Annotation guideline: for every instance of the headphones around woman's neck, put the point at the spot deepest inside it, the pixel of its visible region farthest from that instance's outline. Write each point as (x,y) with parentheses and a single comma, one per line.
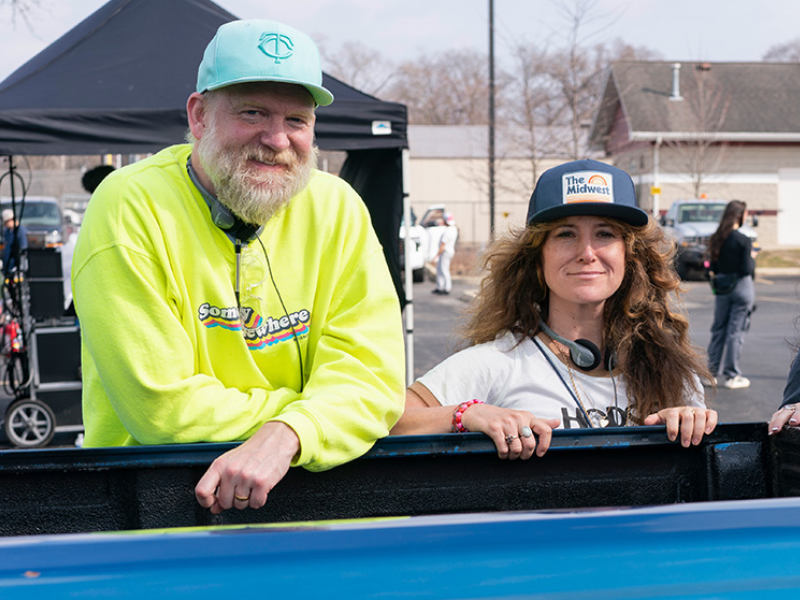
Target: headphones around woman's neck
(583,353)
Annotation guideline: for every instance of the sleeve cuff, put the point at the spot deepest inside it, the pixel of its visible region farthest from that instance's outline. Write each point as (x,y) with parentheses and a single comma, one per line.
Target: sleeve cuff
(308,433)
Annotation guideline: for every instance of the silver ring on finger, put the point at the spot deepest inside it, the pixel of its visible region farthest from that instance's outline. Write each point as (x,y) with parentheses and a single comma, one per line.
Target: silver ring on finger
(510,438)
(526,432)
(790,407)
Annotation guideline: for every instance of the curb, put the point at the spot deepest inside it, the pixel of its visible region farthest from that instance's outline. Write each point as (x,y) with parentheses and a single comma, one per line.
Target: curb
(778,271)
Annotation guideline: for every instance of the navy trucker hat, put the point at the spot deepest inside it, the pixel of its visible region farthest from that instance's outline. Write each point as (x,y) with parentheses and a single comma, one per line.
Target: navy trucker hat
(585,188)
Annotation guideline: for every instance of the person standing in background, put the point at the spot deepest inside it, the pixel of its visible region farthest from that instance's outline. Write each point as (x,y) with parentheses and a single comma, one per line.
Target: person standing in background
(447,249)
(94,176)
(15,241)
(731,254)
(788,415)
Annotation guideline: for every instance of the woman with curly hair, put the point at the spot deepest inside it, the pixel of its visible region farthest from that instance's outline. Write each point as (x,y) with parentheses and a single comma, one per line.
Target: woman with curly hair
(589,267)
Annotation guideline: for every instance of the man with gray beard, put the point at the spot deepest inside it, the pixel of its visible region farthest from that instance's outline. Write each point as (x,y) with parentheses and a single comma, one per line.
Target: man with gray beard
(227,290)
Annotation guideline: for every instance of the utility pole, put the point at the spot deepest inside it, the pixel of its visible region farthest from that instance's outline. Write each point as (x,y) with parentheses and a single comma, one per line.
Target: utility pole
(491,120)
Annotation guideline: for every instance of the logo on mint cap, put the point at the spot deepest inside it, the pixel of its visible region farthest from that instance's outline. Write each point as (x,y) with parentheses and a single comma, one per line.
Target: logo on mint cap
(276,45)
(587,186)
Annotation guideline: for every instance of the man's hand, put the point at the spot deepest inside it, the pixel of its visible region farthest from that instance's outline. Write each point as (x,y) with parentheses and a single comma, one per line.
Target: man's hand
(244,476)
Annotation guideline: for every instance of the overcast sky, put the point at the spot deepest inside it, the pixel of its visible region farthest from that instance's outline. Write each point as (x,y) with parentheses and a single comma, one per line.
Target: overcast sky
(714,30)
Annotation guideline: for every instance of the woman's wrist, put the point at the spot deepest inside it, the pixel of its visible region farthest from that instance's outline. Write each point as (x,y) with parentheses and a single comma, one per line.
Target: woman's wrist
(458,426)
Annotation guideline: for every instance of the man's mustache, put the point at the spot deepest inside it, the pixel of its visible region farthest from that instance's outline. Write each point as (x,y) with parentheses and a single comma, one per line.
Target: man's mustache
(285,158)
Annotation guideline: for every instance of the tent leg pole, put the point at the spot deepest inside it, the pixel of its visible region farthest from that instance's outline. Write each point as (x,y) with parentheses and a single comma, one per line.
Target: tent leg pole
(408,311)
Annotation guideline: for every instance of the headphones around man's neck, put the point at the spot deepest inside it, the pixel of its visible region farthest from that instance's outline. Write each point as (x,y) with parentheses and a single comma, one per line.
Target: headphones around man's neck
(221,215)
(583,353)
(241,233)
(223,218)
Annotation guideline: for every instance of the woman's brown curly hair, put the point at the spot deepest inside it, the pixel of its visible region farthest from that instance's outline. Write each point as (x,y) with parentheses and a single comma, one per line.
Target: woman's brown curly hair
(651,341)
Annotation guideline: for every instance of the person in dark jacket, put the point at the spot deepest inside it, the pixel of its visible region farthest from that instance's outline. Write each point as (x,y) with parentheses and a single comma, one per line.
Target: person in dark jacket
(731,253)
(788,414)
(15,241)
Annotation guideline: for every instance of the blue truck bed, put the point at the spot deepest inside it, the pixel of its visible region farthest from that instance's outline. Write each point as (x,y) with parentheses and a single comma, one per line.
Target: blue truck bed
(616,514)
(732,549)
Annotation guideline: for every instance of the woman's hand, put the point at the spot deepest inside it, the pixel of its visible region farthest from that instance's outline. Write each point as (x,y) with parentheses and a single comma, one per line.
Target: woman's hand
(785,416)
(692,422)
(512,431)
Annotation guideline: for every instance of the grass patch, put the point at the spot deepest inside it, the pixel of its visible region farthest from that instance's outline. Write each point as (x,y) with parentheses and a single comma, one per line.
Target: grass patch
(779,258)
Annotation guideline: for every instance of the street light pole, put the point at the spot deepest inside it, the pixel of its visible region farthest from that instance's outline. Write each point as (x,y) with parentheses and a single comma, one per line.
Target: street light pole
(491,120)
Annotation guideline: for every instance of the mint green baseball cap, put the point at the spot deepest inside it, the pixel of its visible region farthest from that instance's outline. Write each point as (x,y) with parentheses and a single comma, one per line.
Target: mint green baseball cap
(261,50)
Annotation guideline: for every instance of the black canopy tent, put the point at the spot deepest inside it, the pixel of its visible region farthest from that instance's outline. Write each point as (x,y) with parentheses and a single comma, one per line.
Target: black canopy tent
(117,83)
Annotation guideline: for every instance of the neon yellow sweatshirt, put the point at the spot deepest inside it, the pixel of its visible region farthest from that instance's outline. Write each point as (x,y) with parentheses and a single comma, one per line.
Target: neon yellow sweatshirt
(165,355)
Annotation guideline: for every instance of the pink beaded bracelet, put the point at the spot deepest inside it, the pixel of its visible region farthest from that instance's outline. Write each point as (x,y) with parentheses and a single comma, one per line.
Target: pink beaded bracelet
(458,426)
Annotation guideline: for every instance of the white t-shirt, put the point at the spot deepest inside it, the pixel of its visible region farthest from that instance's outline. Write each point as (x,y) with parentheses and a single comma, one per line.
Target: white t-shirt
(449,237)
(529,376)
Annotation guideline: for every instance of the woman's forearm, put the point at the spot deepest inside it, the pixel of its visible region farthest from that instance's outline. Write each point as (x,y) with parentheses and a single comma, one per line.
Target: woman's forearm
(424,419)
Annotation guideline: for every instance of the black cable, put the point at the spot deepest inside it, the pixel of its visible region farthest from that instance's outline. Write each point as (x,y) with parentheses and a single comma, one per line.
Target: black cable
(285,312)
(561,377)
(15,288)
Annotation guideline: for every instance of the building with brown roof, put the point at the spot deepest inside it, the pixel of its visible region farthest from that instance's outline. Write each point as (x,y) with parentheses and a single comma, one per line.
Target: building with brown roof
(717,130)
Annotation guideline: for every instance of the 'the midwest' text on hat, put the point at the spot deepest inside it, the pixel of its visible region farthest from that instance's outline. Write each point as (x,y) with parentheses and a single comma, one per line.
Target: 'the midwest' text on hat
(585,187)
(261,50)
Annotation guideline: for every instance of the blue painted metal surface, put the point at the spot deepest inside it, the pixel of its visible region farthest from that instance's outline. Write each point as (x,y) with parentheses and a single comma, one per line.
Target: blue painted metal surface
(736,550)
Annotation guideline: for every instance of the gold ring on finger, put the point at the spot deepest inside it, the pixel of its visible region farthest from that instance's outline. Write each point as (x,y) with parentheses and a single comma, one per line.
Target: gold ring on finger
(242,498)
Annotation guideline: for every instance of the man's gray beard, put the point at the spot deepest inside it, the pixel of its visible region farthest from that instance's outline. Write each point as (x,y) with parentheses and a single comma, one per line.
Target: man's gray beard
(253,201)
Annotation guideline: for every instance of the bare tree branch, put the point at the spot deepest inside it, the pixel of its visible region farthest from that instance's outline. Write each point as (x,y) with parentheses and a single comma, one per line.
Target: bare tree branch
(708,105)
(21,9)
(786,52)
(358,65)
(449,88)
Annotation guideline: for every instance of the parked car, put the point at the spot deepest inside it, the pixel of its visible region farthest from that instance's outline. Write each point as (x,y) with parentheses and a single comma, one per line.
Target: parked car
(690,223)
(417,251)
(426,234)
(43,219)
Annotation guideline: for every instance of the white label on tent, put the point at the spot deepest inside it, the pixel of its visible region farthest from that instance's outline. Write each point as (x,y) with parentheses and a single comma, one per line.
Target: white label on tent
(381,128)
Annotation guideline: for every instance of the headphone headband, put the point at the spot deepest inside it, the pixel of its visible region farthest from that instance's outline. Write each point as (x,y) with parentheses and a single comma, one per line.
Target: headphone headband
(583,353)
(221,215)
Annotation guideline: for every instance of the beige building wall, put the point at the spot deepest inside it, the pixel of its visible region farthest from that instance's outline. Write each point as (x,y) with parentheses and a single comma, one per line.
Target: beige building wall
(462,186)
(748,172)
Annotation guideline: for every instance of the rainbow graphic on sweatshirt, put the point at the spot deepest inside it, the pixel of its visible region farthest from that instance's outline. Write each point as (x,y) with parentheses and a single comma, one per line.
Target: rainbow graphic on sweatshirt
(259,332)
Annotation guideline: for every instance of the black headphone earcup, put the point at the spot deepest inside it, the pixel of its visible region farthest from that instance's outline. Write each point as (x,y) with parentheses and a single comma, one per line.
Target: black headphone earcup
(588,360)
(221,216)
(243,231)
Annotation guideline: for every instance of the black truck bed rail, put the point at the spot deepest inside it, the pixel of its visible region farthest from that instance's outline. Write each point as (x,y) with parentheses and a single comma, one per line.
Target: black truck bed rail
(108,489)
